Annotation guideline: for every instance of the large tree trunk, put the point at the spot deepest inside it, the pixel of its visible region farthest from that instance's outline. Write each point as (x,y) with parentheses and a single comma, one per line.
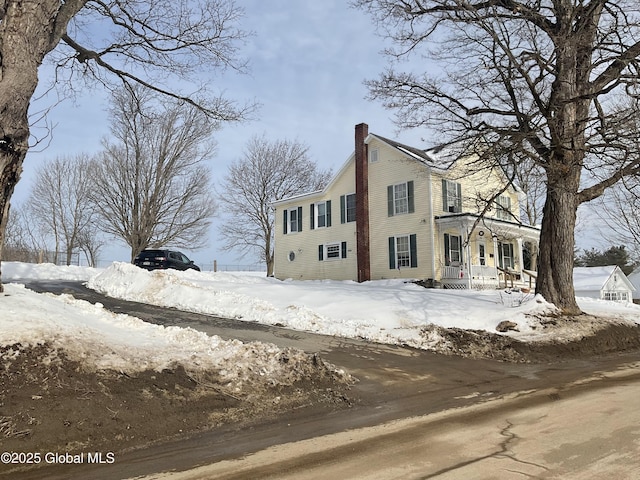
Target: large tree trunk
(555,267)
(28,31)
(567,117)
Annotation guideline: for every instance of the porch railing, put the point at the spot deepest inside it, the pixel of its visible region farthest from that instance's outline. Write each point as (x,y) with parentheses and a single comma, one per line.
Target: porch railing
(485,277)
(483,271)
(454,272)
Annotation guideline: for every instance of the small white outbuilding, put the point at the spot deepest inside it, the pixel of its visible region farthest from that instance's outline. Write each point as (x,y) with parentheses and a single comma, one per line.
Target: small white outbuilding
(634,278)
(605,283)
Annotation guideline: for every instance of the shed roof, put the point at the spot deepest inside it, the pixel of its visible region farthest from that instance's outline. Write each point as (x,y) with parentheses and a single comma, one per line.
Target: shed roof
(594,278)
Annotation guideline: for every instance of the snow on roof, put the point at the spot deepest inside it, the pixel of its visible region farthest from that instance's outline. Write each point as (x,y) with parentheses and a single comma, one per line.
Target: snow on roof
(592,278)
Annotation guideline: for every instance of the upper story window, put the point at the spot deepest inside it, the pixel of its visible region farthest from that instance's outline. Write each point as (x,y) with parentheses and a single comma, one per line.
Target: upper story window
(373,155)
(503,208)
(400,198)
(292,220)
(320,214)
(451,196)
(348,208)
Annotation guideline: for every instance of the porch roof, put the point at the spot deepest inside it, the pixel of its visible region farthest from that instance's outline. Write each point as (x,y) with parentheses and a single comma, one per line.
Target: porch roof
(491,224)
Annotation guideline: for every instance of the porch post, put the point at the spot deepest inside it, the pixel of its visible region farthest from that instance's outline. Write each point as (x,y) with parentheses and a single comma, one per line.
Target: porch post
(469,271)
(520,257)
(464,233)
(496,258)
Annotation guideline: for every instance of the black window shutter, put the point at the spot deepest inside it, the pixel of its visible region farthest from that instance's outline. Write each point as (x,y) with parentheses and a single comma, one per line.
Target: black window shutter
(392,253)
(299,219)
(343,209)
(445,207)
(343,249)
(390,201)
(312,215)
(447,255)
(413,251)
(285,221)
(410,196)
(328,209)
(320,252)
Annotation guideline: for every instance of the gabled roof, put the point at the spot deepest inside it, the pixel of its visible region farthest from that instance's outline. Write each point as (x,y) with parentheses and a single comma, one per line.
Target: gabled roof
(594,278)
(416,153)
(430,158)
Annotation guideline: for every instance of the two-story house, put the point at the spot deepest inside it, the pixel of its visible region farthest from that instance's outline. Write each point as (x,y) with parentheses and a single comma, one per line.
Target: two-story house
(389,212)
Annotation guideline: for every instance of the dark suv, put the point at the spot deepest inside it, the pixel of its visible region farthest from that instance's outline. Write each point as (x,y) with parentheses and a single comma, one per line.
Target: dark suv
(163,259)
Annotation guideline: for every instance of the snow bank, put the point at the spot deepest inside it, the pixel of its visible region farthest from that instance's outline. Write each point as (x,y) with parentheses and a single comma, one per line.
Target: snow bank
(387,311)
(106,340)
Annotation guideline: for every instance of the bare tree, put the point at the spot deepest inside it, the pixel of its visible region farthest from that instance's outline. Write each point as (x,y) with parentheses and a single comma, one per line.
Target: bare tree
(268,171)
(90,242)
(152,186)
(620,212)
(60,202)
(24,241)
(542,79)
(531,179)
(149,43)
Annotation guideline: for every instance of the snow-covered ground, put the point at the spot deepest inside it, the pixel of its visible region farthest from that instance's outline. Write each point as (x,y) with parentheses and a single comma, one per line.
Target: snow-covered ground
(388,311)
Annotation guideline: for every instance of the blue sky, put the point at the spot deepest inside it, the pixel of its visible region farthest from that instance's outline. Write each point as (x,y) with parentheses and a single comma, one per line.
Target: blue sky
(308,61)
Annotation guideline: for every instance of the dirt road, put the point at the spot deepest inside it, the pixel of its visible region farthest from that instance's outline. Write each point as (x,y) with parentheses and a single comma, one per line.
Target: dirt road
(413,412)
(585,430)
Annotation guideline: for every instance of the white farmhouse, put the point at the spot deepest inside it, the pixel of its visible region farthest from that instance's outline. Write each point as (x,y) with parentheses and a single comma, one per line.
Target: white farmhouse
(393,211)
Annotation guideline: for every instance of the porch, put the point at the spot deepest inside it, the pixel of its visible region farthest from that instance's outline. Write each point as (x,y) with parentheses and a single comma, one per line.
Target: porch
(483,277)
(486,254)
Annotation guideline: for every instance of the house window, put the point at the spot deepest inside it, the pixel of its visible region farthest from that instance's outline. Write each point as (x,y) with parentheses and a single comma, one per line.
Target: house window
(452,250)
(503,208)
(403,252)
(403,255)
(348,208)
(292,220)
(332,251)
(616,296)
(451,196)
(320,214)
(400,198)
(505,255)
(482,254)
(373,155)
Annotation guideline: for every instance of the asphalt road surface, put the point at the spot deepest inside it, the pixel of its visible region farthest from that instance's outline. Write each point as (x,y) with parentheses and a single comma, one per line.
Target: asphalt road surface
(420,415)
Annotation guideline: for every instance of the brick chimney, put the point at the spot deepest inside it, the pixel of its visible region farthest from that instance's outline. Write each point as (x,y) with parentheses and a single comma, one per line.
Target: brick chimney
(362,203)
